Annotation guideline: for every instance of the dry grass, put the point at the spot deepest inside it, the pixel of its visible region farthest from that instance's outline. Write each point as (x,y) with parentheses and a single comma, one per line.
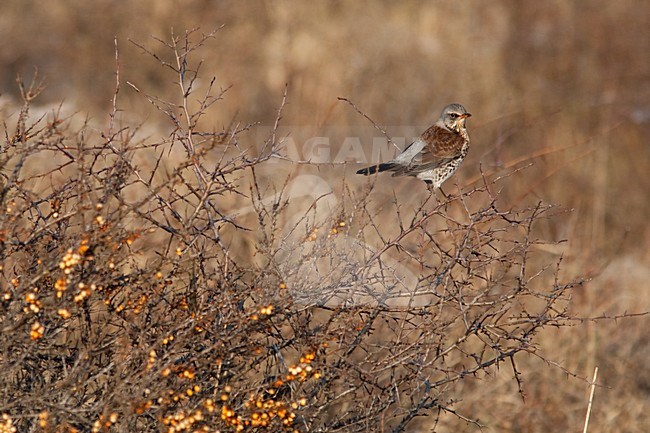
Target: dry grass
(263,270)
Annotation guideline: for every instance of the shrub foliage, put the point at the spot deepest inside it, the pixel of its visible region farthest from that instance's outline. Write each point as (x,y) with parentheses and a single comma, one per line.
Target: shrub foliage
(137,296)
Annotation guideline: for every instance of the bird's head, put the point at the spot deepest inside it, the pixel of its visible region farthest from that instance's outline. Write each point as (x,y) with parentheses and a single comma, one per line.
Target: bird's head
(453,116)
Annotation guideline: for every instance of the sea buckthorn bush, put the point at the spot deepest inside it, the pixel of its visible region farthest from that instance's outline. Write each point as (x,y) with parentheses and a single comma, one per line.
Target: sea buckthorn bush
(173,284)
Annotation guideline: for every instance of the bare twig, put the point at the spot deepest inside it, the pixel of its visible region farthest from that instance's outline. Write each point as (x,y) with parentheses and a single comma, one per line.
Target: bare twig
(591,399)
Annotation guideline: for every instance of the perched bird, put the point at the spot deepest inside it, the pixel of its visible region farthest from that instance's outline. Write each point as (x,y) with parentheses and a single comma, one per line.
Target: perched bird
(436,154)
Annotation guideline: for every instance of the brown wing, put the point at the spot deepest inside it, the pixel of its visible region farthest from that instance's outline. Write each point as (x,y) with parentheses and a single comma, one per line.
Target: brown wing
(442,145)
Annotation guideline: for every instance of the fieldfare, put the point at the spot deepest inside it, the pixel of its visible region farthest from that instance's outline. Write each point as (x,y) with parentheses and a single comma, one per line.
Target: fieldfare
(436,154)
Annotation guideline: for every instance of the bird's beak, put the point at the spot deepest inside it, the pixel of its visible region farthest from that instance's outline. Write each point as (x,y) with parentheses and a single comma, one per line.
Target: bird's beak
(463,116)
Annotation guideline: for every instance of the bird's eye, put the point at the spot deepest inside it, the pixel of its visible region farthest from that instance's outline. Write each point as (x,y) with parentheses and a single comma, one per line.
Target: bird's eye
(453,115)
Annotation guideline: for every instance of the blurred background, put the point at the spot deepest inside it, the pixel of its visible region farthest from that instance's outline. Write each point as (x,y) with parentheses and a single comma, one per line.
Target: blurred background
(562,85)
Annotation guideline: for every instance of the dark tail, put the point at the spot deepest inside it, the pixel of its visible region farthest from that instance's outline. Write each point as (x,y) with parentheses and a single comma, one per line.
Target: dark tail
(375,168)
